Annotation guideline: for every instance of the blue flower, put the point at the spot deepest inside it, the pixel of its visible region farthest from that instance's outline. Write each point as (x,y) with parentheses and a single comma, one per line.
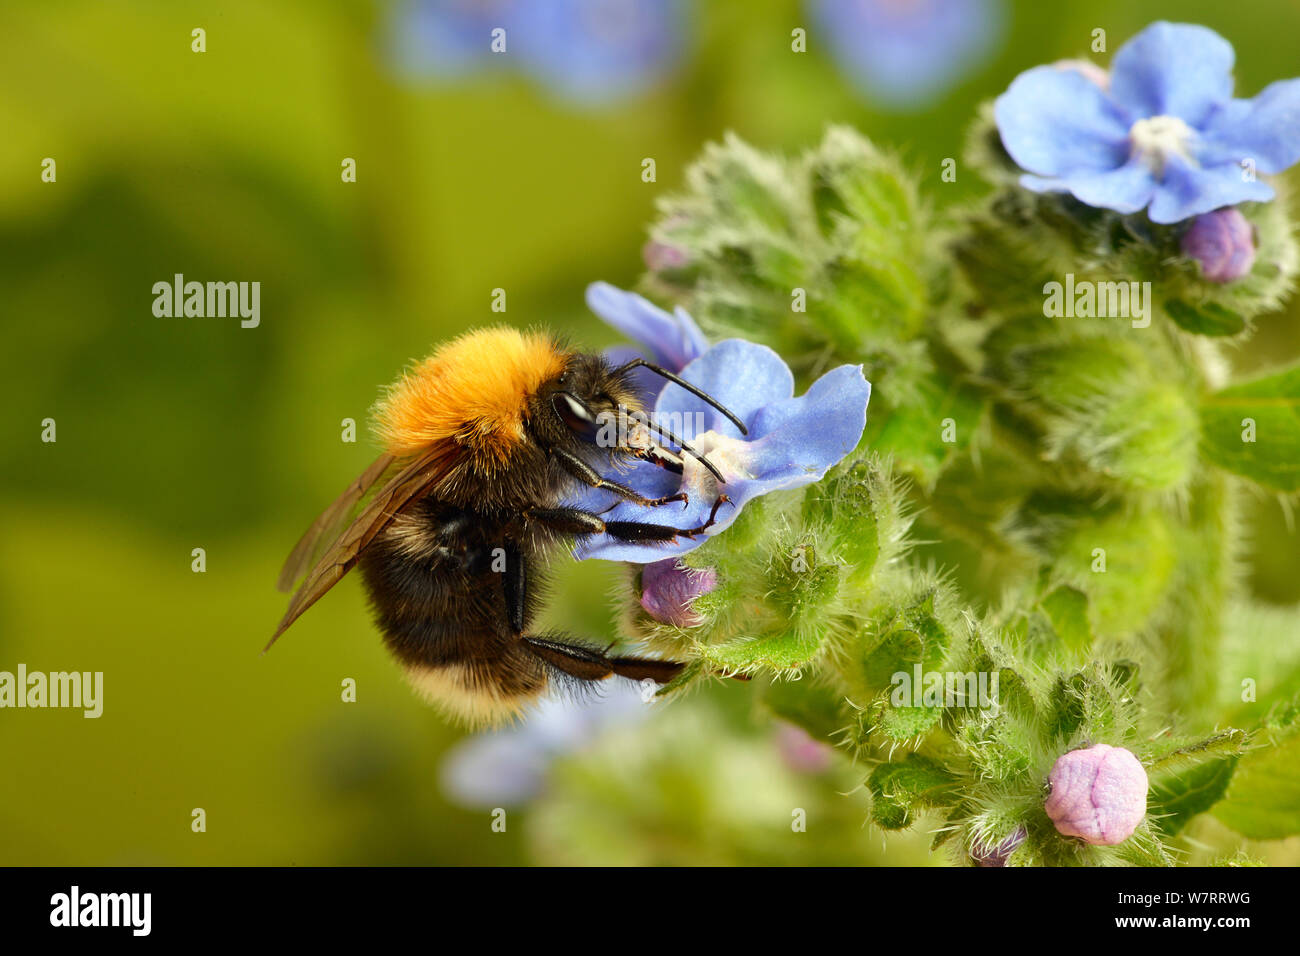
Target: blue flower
(446,38)
(589,52)
(596,51)
(670,340)
(511,766)
(1165,135)
(792,441)
(906,53)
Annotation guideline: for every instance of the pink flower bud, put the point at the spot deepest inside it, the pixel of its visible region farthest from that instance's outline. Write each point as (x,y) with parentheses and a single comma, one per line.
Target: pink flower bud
(661,257)
(668,588)
(1223,243)
(996,855)
(1099,794)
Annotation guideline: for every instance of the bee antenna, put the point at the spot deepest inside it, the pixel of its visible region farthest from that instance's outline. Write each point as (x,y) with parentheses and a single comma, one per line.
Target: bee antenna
(656,427)
(697,392)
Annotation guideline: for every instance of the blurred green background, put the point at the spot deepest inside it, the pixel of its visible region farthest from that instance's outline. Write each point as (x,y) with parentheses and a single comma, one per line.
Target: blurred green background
(175,434)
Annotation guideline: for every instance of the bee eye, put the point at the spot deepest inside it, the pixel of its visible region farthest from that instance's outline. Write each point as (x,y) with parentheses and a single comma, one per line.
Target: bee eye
(573,413)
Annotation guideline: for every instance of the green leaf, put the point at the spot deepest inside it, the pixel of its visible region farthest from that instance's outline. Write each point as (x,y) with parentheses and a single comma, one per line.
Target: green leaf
(1259,646)
(786,651)
(904,723)
(1263,800)
(1209,318)
(1015,694)
(1253,429)
(806,704)
(692,671)
(1174,800)
(1068,706)
(1106,403)
(1067,609)
(1172,755)
(914,635)
(843,506)
(924,433)
(900,788)
(749,186)
(946,833)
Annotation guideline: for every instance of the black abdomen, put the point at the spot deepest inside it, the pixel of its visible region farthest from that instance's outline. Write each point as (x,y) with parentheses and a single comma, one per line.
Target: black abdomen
(437,582)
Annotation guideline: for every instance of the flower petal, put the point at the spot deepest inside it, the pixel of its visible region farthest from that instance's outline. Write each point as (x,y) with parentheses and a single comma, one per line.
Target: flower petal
(741,375)
(645,383)
(799,439)
(1057,121)
(673,340)
(1265,129)
(501,769)
(593,52)
(1126,189)
(1173,69)
(509,767)
(654,482)
(821,426)
(907,54)
(1188,190)
(795,441)
(440,40)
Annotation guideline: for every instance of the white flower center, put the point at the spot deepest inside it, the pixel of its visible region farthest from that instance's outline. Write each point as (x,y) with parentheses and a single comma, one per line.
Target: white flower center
(1156,138)
(731,456)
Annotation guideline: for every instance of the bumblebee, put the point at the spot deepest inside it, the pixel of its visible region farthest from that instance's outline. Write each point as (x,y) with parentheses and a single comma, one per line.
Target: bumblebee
(483,443)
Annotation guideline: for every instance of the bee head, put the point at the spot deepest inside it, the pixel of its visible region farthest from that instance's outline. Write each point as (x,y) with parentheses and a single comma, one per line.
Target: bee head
(589,405)
(592,404)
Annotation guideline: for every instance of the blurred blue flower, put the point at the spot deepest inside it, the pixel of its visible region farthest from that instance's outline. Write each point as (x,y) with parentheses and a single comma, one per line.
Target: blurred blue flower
(589,52)
(509,767)
(446,38)
(906,53)
(792,442)
(1165,135)
(597,51)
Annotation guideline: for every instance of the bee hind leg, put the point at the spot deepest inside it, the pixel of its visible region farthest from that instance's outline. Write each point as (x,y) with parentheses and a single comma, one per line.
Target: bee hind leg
(588,664)
(573,660)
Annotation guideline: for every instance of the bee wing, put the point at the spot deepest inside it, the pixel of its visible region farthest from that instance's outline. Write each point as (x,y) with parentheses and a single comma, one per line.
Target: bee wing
(409,483)
(329,524)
